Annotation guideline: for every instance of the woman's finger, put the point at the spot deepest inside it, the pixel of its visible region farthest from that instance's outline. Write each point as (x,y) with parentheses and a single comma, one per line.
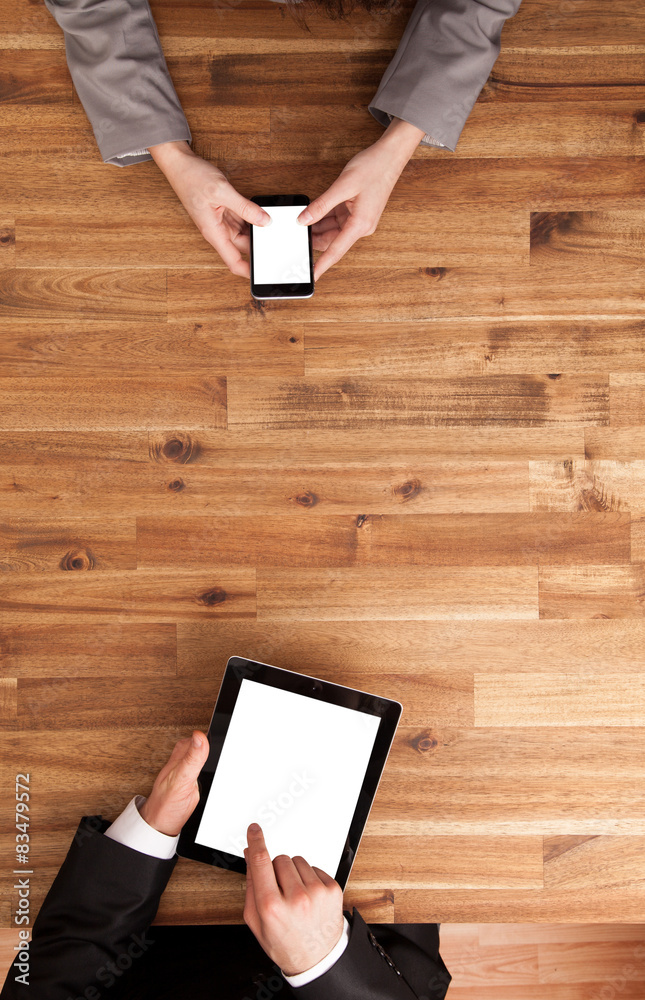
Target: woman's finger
(352,231)
(343,189)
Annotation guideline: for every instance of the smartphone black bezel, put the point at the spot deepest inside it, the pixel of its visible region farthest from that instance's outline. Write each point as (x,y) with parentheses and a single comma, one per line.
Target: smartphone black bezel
(290,290)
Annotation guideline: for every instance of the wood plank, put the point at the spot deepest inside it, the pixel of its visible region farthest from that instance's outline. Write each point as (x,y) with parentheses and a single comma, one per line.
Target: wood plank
(435,862)
(38,347)
(84,702)
(8,702)
(384,540)
(7,242)
(417,646)
(621,444)
(619,67)
(318,402)
(638,540)
(591,962)
(137,595)
(547,934)
(542,699)
(111,403)
(80,650)
(603,862)
(29,545)
(627,399)
(505,905)
(597,484)
(494,540)
(64,703)
(438,487)
(41,129)
(46,240)
(247,541)
(31,293)
(585,237)
(426,293)
(539,128)
(519,183)
(461,347)
(592,591)
(409,592)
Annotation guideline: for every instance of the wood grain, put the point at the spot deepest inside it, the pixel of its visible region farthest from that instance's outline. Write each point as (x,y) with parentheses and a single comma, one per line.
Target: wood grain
(427,481)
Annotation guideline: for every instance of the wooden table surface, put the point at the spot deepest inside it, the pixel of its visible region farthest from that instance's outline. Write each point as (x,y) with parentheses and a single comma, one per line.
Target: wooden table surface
(427,481)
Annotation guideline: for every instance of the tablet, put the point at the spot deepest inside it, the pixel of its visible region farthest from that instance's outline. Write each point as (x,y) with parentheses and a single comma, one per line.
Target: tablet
(301,756)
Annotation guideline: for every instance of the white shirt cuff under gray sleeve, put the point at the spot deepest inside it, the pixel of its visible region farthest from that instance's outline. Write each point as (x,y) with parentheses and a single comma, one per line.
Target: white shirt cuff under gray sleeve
(131,829)
(325,963)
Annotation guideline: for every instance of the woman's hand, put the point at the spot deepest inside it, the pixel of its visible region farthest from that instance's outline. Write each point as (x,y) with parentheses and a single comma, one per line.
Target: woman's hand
(221,213)
(353,205)
(295,911)
(175,792)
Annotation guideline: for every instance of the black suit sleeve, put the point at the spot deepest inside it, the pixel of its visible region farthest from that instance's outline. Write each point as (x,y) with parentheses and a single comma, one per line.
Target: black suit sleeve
(366,971)
(97,911)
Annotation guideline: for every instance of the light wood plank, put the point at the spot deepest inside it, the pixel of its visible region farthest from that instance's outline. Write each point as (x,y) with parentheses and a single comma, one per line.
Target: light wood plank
(592,591)
(462,347)
(627,399)
(31,293)
(410,592)
(111,403)
(542,699)
(599,484)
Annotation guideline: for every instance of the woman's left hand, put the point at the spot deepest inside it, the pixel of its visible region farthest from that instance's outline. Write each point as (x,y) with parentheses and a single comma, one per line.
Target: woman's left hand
(353,205)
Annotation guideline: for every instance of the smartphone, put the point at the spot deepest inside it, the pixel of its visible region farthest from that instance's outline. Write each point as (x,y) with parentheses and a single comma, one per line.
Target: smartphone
(282,262)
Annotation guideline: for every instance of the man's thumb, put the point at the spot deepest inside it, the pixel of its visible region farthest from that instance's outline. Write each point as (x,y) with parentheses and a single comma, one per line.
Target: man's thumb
(197,742)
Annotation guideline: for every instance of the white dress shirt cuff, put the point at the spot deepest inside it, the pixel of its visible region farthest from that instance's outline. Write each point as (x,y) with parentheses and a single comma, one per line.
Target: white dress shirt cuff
(131,829)
(325,963)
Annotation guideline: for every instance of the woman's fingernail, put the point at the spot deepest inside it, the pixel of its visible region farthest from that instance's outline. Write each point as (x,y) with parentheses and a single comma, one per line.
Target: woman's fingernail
(304,219)
(197,742)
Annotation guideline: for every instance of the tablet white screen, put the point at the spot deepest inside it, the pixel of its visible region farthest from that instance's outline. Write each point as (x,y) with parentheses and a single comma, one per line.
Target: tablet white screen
(293,764)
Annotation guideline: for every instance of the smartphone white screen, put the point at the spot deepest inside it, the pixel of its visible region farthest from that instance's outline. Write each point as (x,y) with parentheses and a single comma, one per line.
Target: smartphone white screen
(294,765)
(281,250)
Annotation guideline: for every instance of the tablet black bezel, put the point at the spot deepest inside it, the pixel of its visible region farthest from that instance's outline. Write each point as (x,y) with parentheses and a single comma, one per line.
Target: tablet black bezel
(238,668)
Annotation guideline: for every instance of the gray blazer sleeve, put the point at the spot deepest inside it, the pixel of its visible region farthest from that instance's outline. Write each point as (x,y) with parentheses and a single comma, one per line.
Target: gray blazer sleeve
(442,62)
(120,75)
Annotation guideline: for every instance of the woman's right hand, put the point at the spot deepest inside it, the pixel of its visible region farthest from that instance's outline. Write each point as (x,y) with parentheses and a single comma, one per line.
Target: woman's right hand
(221,213)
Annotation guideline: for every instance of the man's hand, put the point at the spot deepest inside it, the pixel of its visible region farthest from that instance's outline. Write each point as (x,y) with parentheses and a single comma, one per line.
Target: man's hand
(353,205)
(221,213)
(295,911)
(175,792)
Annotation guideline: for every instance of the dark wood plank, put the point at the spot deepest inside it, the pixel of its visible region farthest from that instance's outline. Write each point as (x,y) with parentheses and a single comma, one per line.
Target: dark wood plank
(7,242)
(28,545)
(80,650)
(587,237)
(524,401)
(110,403)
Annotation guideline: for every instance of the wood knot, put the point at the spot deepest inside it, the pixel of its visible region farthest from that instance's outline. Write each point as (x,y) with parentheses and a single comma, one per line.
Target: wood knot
(360,520)
(176,486)
(306,499)
(211,597)
(639,117)
(435,272)
(554,376)
(293,340)
(408,490)
(178,448)
(7,237)
(77,559)
(425,742)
